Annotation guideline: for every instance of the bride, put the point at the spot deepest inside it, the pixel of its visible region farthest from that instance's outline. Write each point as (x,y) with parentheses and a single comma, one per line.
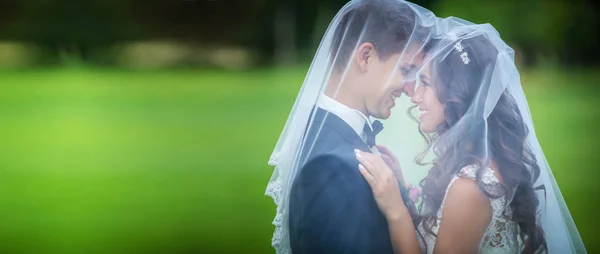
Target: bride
(489,178)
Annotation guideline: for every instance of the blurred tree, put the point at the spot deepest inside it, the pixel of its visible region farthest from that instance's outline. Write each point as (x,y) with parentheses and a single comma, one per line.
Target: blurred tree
(71,26)
(540,30)
(281,31)
(9,10)
(206,21)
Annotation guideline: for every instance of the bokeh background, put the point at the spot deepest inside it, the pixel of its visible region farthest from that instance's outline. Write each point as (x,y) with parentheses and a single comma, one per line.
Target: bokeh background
(145,126)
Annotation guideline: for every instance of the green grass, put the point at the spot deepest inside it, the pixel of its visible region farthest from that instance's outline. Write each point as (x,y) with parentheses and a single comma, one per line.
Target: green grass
(114,161)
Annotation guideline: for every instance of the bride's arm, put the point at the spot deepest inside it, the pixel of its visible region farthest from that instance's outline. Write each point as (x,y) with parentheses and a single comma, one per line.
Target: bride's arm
(392,161)
(402,232)
(408,200)
(387,194)
(466,215)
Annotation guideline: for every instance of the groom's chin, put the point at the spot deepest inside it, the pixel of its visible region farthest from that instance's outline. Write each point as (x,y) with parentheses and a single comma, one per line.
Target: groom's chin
(385,114)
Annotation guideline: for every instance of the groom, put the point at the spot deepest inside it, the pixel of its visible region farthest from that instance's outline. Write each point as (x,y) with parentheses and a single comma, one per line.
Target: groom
(332,208)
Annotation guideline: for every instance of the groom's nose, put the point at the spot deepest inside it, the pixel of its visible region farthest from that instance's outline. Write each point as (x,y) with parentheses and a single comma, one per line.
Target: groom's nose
(409,88)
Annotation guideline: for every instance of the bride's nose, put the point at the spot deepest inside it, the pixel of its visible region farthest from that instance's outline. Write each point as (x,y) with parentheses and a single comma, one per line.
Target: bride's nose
(417,96)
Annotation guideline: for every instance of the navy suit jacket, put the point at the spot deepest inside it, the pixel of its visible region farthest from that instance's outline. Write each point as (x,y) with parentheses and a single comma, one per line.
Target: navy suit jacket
(332,208)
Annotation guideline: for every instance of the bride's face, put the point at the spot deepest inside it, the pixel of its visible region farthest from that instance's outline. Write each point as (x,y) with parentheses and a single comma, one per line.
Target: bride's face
(431,110)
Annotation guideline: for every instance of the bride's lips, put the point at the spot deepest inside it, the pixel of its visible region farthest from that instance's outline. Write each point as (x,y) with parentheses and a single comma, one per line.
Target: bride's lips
(422,112)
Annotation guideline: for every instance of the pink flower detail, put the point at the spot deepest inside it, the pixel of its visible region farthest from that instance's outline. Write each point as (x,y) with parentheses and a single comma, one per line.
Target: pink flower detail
(413,193)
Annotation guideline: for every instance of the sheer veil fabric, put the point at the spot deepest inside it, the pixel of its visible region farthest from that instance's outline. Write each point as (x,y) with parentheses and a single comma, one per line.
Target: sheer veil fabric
(412,40)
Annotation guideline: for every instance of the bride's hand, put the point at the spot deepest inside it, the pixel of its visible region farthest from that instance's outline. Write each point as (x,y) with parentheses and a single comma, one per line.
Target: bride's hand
(392,161)
(383,184)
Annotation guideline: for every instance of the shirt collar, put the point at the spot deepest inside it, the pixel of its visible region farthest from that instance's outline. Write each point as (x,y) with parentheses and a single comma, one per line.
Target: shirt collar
(354,118)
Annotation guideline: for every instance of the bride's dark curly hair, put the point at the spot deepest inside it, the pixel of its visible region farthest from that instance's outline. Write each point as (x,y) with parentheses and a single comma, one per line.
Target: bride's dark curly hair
(465,138)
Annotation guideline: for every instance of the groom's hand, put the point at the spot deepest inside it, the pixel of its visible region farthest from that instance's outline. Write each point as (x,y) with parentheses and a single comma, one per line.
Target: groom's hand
(392,161)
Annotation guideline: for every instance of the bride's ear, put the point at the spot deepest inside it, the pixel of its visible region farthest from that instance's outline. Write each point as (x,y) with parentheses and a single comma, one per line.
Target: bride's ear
(365,55)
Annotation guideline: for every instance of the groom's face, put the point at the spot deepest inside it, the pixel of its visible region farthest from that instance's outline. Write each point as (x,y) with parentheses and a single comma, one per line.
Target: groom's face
(388,79)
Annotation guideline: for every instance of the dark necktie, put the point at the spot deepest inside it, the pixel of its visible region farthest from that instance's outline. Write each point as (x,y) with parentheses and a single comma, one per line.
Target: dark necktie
(371,134)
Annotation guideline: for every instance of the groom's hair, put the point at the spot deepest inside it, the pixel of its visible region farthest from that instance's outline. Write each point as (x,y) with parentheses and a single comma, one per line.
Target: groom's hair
(387,24)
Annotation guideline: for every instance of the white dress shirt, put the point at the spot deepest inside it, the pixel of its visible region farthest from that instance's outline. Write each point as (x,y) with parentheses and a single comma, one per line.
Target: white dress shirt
(354,118)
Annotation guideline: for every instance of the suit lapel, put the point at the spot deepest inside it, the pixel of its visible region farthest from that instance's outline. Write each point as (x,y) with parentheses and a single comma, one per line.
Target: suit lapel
(337,124)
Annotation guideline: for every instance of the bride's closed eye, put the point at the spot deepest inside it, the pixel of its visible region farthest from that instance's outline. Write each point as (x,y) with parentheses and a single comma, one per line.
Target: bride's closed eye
(423,80)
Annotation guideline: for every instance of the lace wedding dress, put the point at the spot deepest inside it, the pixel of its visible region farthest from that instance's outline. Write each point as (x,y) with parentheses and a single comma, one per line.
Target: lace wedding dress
(502,235)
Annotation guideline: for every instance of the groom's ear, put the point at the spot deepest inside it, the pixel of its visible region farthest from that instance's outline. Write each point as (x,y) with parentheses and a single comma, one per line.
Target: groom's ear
(365,55)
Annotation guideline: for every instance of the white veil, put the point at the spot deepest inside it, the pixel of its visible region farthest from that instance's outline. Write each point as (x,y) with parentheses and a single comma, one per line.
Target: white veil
(500,78)
(488,116)
(286,155)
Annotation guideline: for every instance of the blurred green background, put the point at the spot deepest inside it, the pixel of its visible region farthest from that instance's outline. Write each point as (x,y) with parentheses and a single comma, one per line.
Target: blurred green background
(146,126)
